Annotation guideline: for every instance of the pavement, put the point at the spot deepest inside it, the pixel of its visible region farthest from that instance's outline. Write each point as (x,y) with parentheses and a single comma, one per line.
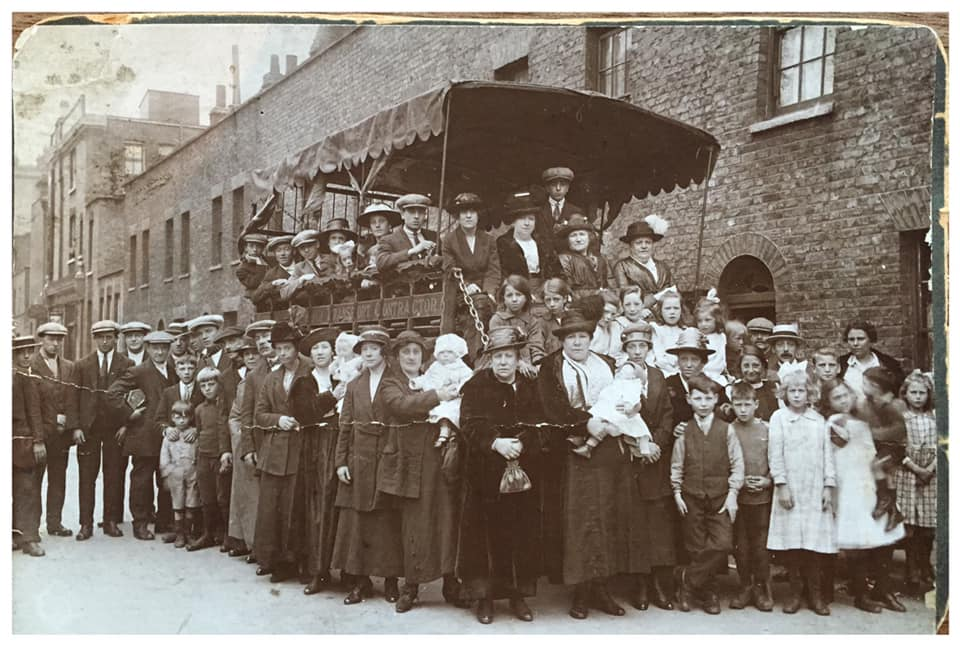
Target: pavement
(123,586)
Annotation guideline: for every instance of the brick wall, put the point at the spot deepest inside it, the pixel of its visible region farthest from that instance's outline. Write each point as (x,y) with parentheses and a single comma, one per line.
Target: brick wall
(805,197)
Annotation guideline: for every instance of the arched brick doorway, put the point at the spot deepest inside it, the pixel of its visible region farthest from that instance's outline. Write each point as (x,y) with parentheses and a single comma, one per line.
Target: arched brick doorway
(746,287)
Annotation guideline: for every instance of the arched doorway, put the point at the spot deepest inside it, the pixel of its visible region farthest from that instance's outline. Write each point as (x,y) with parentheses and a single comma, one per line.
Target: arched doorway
(746,287)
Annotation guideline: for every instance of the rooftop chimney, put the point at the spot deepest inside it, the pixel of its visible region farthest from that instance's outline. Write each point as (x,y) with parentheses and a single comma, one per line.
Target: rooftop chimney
(274,74)
(235,76)
(291,64)
(220,110)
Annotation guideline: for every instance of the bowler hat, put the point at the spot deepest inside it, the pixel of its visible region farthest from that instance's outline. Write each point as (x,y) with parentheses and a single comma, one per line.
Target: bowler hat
(639,331)
(106,325)
(503,338)
(284,332)
(413,201)
(558,172)
(574,321)
(51,328)
(375,334)
(159,337)
(691,340)
(409,336)
(276,241)
(785,331)
(379,208)
(327,334)
(24,343)
(336,225)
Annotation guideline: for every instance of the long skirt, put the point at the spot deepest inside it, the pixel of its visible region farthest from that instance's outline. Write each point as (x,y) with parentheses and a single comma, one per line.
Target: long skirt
(428,524)
(652,536)
(598,500)
(319,471)
(244,495)
(368,543)
(280,521)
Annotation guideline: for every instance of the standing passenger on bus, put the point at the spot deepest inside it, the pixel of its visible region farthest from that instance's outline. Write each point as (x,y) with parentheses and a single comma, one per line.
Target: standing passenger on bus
(525,250)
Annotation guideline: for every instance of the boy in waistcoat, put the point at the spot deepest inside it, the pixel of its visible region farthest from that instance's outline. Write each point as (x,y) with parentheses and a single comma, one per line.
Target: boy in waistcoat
(706,473)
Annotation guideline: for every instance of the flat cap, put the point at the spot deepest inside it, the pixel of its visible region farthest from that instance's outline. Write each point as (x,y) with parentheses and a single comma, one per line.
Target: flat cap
(263,325)
(52,328)
(135,326)
(305,237)
(558,172)
(207,319)
(258,238)
(230,332)
(276,241)
(760,324)
(105,325)
(413,201)
(159,337)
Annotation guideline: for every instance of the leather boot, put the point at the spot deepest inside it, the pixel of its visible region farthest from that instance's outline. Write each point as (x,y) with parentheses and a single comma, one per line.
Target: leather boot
(485,611)
(684,593)
(362,588)
(319,582)
(792,603)
(408,597)
(889,601)
(579,607)
(85,533)
(180,539)
(762,597)
(451,591)
(604,602)
(520,609)
(815,599)
(661,598)
(32,548)
(140,532)
(203,542)
(110,529)
(639,598)
(742,598)
(391,589)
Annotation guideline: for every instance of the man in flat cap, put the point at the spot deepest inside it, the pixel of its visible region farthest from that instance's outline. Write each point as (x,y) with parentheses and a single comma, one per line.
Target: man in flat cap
(204,329)
(55,374)
(94,425)
(181,345)
(558,210)
(133,333)
(313,265)
(29,451)
(278,275)
(409,241)
(139,437)
(252,267)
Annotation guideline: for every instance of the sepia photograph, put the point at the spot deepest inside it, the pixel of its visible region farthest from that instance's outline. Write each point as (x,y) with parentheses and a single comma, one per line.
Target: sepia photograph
(478,324)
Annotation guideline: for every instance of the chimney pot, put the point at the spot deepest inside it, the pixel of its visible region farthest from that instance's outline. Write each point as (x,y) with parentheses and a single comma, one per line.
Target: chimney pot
(291,63)
(221,96)
(274,63)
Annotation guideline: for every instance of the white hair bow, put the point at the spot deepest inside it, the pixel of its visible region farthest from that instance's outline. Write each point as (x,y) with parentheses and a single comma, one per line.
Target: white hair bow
(790,368)
(712,296)
(666,291)
(344,248)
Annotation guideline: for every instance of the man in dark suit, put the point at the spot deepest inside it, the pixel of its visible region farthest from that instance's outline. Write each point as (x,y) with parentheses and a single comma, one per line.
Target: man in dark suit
(475,252)
(140,438)
(692,352)
(229,338)
(204,330)
(94,425)
(55,373)
(29,451)
(557,211)
(276,276)
(410,241)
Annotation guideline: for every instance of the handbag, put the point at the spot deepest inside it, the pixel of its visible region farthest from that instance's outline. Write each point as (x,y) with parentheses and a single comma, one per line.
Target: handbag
(451,460)
(515,479)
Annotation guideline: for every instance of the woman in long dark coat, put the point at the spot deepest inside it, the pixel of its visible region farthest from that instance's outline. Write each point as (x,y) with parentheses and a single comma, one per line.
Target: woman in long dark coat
(500,549)
(313,398)
(652,536)
(591,537)
(368,529)
(410,469)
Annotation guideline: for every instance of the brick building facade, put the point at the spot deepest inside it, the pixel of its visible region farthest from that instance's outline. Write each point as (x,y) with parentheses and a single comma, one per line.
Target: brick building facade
(816,211)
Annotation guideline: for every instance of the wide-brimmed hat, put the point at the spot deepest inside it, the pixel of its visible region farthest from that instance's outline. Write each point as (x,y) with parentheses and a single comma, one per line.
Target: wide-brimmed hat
(106,325)
(785,331)
(379,208)
(229,332)
(284,332)
(639,331)
(652,226)
(577,222)
(406,337)
(307,236)
(574,321)
(375,334)
(24,343)
(413,201)
(159,337)
(276,241)
(336,225)
(51,328)
(135,326)
(691,340)
(523,203)
(327,334)
(207,319)
(503,338)
(760,324)
(558,172)
(263,325)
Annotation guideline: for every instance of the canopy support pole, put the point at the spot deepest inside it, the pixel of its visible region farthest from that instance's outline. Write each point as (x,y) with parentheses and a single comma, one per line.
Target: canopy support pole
(703,219)
(443,169)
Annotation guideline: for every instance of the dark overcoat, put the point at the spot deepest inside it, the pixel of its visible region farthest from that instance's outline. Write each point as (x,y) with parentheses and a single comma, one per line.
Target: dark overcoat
(142,439)
(53,400)
(512,260)
(279,452)
(86,405)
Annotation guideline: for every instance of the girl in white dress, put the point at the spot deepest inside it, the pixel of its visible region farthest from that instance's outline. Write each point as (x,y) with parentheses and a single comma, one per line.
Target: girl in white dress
(667,329)
(710,319)
(802,525)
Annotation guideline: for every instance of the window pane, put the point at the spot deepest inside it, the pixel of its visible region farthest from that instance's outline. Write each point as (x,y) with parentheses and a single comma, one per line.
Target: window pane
(812,72)
(789,86)
(812,42)
(831,39)
(790,48)
(605,83)
(828,75)
(605,53)
(621,46)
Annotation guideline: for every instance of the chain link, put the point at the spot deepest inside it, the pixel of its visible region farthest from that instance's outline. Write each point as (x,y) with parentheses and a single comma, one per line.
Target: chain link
(477,323)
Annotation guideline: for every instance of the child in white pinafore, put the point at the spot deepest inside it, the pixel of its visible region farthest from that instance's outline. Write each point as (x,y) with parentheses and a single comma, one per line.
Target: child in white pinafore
(346,365)
(626,389)
(178,470)
(710,320)
(448,368)
(667,329)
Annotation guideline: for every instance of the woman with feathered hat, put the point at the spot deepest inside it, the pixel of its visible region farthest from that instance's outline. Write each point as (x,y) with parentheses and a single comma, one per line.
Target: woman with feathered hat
(639,267)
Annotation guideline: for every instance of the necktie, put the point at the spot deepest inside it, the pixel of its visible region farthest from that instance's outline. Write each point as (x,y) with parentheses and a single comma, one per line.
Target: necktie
(104,370)
(416,238)
(556,211)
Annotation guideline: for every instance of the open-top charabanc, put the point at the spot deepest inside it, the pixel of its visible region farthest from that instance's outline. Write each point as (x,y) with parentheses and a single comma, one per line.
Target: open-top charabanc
(489,138)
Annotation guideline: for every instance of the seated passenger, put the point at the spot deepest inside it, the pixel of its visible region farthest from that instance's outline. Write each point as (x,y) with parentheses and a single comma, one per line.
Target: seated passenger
(309,269)
(252,266)
(379,220)
(276,276)
(409,242)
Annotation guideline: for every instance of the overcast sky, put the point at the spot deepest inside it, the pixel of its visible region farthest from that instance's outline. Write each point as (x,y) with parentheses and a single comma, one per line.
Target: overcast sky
(114,66)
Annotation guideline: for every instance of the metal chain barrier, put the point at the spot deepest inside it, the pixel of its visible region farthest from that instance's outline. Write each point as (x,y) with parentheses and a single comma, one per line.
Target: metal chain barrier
(477,323)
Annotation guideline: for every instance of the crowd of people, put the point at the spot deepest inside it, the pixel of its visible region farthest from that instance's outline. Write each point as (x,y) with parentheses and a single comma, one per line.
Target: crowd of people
(590,427)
